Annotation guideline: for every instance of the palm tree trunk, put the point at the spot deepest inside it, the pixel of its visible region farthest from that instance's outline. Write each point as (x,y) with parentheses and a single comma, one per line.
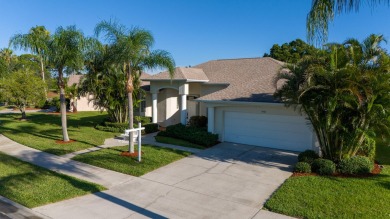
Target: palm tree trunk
(43,76)
(61,85)
(131,125)
(130,89)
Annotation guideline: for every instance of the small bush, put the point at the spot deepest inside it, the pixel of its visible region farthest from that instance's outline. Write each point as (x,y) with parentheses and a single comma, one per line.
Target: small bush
(194,135)
(356,165)
(323,166)
(142,119)
(302,167)
(308,156)
(40,104)
(150,128)
(56,103)
(368,150)
(198,121)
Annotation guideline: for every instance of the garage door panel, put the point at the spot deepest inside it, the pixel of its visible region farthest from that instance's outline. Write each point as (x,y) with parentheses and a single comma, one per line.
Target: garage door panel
(277,131)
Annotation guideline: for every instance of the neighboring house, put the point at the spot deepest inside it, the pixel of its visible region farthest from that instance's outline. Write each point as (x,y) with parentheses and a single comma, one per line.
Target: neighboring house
(82,103)
(237,97)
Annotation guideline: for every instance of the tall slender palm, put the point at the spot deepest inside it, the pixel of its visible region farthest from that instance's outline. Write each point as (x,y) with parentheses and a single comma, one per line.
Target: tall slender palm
(322,13)
(36,40)
(132,49)
(65,52)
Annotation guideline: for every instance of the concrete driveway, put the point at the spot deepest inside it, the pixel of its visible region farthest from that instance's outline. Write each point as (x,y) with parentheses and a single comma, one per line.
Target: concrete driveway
(226,181)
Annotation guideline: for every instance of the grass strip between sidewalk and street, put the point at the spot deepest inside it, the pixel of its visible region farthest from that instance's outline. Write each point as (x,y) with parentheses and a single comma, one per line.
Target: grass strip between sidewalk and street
(33,186)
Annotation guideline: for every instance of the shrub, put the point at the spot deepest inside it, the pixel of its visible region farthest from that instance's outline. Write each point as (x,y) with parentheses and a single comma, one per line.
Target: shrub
(56,103)
(368,150)
(112,127)
(308,156)
(41,104)
(356,165)
(198,121)
(302,167)
(323,166)
(142,119)
(150,128)
(195,135)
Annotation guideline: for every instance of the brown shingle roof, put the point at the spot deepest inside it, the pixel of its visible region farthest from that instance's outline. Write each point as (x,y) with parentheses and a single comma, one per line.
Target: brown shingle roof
(250,79)
(181,73)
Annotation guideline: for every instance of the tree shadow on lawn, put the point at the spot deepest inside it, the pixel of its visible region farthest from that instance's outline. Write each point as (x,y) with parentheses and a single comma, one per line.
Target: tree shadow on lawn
(52,134)
(76,120)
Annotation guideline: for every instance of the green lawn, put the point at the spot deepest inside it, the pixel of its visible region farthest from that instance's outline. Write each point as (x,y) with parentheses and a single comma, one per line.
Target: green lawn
(331,197)
(153,158)
(42,130)
(34,186)
(175,141)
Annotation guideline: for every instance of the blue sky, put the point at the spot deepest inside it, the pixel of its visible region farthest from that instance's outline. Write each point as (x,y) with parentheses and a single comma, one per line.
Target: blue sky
(194,31)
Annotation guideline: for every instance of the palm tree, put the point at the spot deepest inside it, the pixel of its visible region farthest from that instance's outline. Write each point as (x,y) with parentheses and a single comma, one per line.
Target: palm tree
(65,52)
(36,41)
(322,13)
(132,49)
(345,94)
(8,61)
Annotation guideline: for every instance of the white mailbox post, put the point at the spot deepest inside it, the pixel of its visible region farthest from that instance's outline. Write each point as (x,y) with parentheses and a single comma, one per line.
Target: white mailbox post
(138,130)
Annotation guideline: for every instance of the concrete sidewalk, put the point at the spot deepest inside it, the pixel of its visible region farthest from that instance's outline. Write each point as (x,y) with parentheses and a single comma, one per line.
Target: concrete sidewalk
(63,165)
(146,139)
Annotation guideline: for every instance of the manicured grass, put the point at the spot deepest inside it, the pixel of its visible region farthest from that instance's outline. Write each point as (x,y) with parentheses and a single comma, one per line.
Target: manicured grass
(153,158)
(34,186)
(42,130)
(332,197)
(175,141)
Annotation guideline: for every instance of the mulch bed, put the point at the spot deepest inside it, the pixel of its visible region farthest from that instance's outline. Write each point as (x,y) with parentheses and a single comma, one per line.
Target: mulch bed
(27,108)
(58,113)
(377,170)
(128,154)
(64,142)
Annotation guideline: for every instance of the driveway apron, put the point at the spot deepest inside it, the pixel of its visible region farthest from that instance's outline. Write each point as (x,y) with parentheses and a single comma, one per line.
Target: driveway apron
(226,181)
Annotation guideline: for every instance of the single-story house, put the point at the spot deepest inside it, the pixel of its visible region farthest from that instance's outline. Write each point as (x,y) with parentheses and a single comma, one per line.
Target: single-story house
(237,97)
(83,103)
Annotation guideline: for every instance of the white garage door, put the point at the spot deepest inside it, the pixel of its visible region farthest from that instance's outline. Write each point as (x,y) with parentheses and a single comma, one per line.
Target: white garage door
(275,131)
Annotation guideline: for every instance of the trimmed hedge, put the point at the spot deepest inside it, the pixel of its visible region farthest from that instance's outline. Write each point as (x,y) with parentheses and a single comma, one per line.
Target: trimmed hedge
(323,166)
(198,121)
(302,167)
(308,156)
(150,128)
(108,126)
(356,165)
(194,135)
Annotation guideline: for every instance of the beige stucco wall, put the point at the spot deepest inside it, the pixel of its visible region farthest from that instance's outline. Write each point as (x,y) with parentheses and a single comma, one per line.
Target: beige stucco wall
(83,104)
